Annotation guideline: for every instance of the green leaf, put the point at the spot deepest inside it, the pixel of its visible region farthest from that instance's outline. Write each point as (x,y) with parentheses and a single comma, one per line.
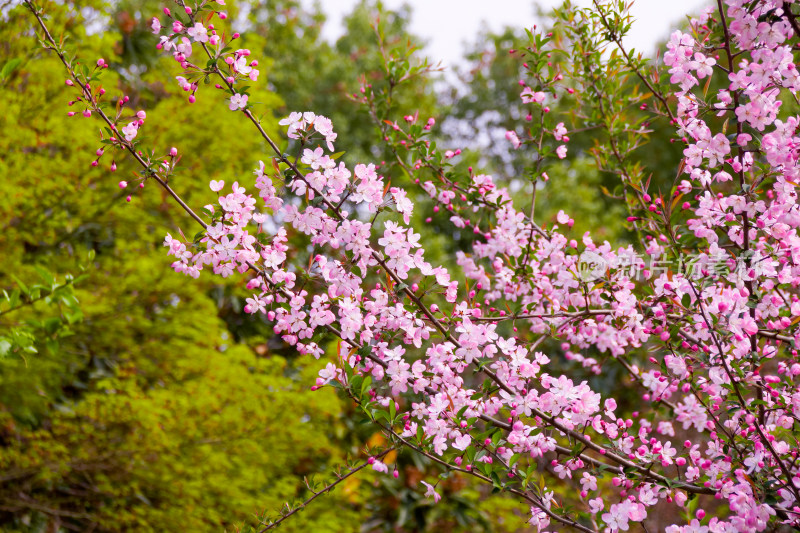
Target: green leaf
(366,384)
(22,286)
(9,67)
(46,276)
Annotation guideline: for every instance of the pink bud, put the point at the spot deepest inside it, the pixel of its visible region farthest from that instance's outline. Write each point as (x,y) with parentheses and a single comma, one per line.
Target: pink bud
(222,15)
(191,99)
(173,151)
(188,10)
(396,474)
(113,167)
(166,11)
(123,184)
(128,199)
(101,62)
(69,82)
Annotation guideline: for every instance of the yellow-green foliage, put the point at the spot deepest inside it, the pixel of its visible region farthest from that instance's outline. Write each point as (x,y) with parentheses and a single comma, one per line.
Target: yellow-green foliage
(149,418)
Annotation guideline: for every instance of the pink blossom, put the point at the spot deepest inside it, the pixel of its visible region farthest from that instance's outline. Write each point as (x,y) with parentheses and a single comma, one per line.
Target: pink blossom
(131,130)
(529,96)
(511,136)
(198,32)
(238,101)
(430,492)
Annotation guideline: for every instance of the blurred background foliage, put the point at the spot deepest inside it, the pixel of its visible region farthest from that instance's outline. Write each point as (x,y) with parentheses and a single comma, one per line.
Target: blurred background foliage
(135,399)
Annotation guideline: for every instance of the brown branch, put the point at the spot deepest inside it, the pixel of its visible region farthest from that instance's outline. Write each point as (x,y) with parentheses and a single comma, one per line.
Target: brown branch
(327,489)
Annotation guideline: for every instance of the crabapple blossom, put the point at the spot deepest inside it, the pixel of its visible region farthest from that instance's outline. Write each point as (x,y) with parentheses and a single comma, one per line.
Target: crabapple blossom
(238,101)
(198,32)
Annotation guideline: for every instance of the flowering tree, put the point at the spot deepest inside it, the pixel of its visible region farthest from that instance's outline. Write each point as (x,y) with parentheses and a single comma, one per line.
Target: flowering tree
(454,361)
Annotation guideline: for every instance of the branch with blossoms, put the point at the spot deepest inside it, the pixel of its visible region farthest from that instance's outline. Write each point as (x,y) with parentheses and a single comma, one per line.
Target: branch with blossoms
(288,511)
(447,359)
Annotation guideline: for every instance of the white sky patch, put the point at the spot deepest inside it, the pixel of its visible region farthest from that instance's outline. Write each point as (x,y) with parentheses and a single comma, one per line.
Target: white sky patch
(448,25)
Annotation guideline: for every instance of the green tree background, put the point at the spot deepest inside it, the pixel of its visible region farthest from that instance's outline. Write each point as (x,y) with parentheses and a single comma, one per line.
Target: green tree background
(156,404)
